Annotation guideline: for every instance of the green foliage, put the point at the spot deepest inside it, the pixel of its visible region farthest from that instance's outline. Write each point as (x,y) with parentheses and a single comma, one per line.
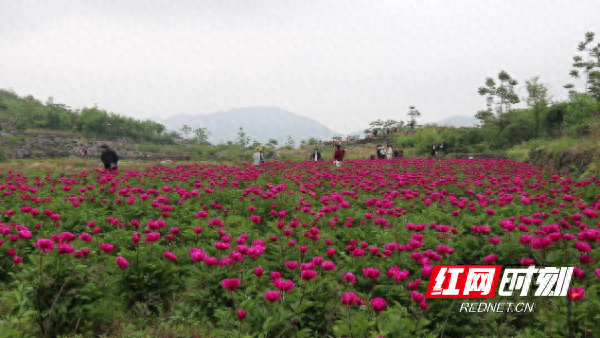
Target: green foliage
(580,110)
(30,113)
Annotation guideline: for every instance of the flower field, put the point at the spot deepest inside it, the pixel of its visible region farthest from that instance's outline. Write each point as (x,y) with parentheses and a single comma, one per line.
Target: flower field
(290,249)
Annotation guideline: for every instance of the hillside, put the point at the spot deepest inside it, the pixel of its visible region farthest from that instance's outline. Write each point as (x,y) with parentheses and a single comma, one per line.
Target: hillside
(260,123)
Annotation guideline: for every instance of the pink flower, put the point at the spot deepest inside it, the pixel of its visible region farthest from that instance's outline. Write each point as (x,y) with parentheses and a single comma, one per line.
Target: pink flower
(350,277)
(258,271)
(231,284)
(275,275)
(490,258)
(350,298)
(291,265)
(44,244)
(152,237)
(108,248)
(65,249)
(417,296)
(414,284)
(17,259)
(121,262)
(378,304)
(597,271)
(527,261)
(575,294)
(371,273)
(284,285)
(328,265)
(170,256)
(241,314)
(578,273)
(272,296)
(308,274)
(495,240)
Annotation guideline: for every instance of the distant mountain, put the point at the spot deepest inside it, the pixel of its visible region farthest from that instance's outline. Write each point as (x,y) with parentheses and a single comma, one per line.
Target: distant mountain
(458,121)
(260,123)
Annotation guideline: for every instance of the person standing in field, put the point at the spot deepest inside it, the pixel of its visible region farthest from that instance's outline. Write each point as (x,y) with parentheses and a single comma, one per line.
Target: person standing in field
(389,152)
(443,147)
(316,155)
(338,156)
(433,149)
(258,157)
(109,158)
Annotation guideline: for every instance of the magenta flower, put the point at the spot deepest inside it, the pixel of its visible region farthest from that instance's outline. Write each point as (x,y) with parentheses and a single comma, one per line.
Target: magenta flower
(490,258)
(575,294)
(350,277)
(284,285)
(272,296)
(378,304)
(258,271)
(170,256)
(417,296)
(231,284)
(106,247)
(527,261)
(371,273)
(121,262)
(308,274)
(65,249)
(350,298)
(44,244)
(495,240)
(241,314)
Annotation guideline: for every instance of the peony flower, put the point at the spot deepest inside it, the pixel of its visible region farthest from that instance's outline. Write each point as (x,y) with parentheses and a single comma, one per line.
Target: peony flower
(272,296)
(121,262)
(170,256)
(231,284)
(258,271)
(350,298)
(44,244)
(308,274)
(490,258)
(575,294)
(108,248)
(378,304)
(371,273)
(241,314)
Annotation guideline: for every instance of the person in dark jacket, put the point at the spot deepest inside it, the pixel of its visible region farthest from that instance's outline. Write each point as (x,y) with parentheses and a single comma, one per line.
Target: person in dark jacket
(109,157)
(433,149)
(316,155)
(443,147)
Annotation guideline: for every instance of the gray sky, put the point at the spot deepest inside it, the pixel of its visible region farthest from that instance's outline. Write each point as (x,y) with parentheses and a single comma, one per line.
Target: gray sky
(342,63)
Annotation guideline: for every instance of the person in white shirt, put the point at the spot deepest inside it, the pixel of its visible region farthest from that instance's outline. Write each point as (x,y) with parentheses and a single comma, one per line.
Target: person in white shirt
(389,152)
(258,157)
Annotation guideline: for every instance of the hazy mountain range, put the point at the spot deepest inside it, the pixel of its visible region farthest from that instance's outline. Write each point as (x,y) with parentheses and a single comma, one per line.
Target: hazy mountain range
(264,123)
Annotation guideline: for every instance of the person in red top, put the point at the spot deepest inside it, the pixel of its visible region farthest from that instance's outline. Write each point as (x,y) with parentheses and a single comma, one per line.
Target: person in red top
(338,156)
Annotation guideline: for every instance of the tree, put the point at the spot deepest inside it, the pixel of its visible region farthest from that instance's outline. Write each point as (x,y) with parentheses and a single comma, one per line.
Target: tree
(589,65)
(537,100)
(499,99)
(290,142)
(537,93)
(413,114)
(201,136)
(186,130)
(273,142)
(242,138)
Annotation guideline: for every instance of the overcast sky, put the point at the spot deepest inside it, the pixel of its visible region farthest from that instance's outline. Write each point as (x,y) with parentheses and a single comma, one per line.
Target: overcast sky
(342,63)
